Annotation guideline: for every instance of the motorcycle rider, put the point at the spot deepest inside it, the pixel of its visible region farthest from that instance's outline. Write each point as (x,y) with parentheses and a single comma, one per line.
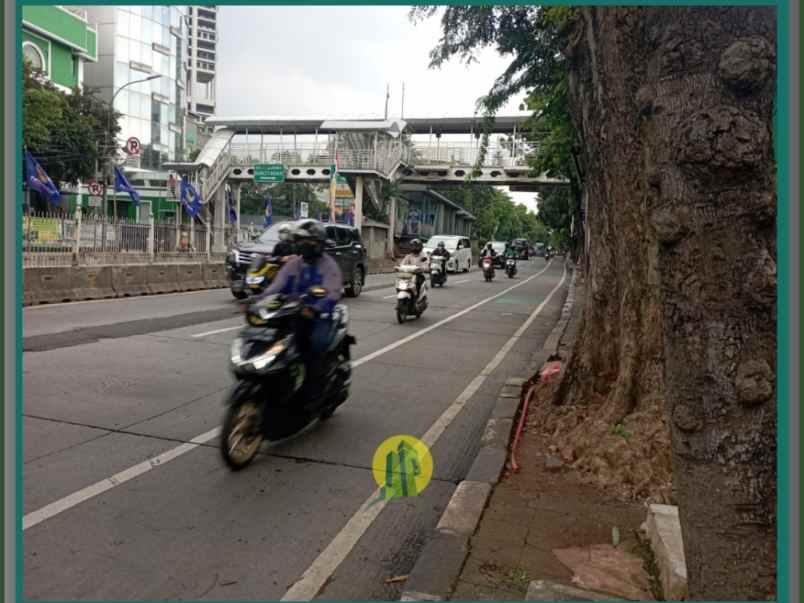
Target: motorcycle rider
(441,250)
(417,257)
(309,268)
(283,250)
(488,252)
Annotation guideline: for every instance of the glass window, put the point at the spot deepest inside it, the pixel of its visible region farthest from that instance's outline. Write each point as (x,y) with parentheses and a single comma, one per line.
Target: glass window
(148,11)
(123,25)
(121,52)
(121,102)
(136,26)
(32,54)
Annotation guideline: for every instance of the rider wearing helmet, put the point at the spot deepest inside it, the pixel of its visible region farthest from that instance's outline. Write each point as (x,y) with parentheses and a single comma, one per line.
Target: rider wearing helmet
(417,258)
(441,250)
(284,247)
(311,267)
(487,252)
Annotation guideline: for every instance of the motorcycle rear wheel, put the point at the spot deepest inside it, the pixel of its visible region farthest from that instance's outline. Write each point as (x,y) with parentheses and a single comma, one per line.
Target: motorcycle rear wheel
(239,442)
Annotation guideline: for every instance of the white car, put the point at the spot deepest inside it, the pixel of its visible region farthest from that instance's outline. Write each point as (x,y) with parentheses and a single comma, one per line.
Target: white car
(460,251)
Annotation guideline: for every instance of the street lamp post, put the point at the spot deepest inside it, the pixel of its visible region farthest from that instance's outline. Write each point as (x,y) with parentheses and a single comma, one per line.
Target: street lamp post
(109,180)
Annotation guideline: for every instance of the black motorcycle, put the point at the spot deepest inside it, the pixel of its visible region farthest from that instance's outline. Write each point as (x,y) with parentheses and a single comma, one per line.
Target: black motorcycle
(438,270)
(510,267)
(266,402)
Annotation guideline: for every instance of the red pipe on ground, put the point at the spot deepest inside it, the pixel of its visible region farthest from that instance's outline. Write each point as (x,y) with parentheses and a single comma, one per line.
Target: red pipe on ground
(522,416)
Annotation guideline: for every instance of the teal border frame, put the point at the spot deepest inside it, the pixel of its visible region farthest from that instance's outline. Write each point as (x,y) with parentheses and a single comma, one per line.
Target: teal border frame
(781,145)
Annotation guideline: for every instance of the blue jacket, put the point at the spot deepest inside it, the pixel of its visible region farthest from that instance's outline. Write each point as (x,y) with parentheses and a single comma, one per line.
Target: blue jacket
(297,276)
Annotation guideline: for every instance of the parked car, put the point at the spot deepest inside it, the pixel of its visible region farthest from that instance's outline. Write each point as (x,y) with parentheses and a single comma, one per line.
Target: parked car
(460,251)
(499,249)
(343,244)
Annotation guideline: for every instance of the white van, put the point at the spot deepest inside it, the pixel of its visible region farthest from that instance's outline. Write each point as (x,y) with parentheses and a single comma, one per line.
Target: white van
(460,251)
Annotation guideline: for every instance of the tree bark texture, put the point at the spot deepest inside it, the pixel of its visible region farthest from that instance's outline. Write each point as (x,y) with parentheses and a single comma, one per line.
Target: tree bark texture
(675,108)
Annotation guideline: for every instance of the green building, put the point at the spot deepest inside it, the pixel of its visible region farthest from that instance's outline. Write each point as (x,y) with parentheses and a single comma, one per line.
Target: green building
(58,41)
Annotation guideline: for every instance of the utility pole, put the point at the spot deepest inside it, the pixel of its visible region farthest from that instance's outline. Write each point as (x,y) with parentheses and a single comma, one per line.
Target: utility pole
(387,98)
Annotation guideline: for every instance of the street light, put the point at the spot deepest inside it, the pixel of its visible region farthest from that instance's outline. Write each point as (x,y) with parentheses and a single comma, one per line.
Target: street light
(106,141)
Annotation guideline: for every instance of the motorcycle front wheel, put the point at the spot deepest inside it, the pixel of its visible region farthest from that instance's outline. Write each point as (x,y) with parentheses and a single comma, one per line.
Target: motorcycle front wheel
(401,311)
(240,435)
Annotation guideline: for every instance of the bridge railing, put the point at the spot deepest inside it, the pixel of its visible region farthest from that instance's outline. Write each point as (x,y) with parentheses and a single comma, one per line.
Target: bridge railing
(453,154)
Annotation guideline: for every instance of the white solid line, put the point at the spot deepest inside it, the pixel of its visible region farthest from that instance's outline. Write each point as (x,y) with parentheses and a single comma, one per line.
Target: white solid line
(217,331)
(76,498)
(389,296)
(463,281)
(324,566)
(63,504)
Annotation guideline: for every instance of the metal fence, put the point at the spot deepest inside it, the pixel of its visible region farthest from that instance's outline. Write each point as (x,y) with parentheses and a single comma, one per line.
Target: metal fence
(64,239)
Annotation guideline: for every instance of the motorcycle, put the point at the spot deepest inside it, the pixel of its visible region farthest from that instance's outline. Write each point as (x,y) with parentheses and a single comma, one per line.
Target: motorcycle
(510,267)
(438,271)
(488,269)
(407,302)
(260,273)
(266,401)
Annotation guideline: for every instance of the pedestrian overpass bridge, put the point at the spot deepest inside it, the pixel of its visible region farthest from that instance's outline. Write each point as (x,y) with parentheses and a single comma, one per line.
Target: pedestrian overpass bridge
(367,152)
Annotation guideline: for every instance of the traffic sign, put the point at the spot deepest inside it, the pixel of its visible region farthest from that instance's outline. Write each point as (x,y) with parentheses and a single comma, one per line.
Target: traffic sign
(304,209)
(95,188)
(133,146)
(269,172)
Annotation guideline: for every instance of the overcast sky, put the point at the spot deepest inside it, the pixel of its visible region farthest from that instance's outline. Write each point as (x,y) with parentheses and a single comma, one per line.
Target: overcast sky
(336,62)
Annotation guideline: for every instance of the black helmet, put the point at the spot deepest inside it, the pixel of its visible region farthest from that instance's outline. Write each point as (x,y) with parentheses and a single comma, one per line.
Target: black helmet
(310,237)
(416,245)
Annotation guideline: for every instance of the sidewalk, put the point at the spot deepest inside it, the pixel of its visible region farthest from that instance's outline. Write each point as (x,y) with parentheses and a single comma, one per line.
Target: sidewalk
(542,524)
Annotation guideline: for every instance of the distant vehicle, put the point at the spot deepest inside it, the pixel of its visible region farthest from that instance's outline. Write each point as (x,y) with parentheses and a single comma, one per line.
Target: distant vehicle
(521,246)
(460,250)
(499,249)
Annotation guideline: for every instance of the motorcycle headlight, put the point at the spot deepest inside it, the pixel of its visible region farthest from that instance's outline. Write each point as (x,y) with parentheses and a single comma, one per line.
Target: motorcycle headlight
(402,284)
(267,357)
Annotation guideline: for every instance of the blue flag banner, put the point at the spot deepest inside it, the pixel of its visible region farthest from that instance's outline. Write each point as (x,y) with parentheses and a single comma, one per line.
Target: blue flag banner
(39,181)
(190,198)
(121,185)
(269,211)
(231,203)
(296,211)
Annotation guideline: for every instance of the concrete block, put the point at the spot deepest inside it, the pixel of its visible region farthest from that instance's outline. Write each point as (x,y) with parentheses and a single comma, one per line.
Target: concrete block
(488,465)
(162,278)
(438,567)
(465,508)
(664,530)
(497,434)
(92,282)
(505,408)
(547,590)
(130,280)
(189,277)
(48,285)
(214,275)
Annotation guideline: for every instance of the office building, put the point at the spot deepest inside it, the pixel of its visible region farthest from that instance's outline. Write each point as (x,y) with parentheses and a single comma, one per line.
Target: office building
(138,42)
(202,41)
(58,42)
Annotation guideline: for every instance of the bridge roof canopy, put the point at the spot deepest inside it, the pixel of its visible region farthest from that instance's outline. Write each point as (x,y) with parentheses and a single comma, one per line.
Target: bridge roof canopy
(417,125)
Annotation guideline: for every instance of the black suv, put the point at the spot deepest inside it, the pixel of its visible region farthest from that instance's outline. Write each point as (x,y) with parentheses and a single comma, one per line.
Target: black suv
(343,244)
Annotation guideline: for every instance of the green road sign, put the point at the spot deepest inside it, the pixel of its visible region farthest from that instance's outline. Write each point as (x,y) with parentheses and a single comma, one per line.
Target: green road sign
(269,172)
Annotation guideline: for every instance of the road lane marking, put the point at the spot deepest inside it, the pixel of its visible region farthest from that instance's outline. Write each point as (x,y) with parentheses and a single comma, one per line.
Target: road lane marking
(218,331)
(70,501)
(325,565)
(463,281)
(76,498)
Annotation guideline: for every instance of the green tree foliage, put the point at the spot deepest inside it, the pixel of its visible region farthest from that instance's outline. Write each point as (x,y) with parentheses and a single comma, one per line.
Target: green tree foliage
(65,132)
(284,195)
(498,217)
(533,37)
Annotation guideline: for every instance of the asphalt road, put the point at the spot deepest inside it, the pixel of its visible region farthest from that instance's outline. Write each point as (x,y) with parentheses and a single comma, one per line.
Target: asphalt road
(116,389)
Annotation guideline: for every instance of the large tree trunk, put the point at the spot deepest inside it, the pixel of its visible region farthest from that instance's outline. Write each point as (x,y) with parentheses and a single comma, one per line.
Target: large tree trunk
(675,108)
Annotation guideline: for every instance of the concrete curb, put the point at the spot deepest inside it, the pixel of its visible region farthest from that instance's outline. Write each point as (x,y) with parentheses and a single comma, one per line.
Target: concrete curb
(554,339)
(439,565)
(440,562)
(664,530)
